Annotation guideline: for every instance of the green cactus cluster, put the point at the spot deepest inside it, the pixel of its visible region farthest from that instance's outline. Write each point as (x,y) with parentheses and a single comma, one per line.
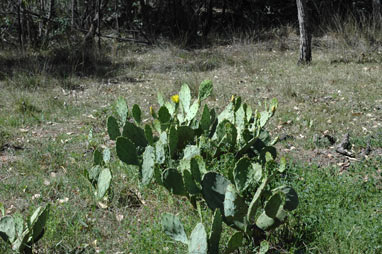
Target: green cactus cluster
(199,241)
(100,175)
(20,234)
(182,150)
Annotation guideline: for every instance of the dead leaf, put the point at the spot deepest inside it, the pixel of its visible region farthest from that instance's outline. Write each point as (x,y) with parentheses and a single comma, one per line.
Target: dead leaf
(119,217)
(36,196)
(102,205)
(63,200)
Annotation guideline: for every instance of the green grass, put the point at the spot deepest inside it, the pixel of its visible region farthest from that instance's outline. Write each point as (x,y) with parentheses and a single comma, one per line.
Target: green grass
(49,115)
(338,213)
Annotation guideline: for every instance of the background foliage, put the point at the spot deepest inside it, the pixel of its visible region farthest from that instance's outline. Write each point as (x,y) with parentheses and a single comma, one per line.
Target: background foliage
(45,22)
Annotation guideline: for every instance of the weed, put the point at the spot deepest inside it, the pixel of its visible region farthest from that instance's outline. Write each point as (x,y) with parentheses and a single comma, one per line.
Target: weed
(25,107)
(4,137)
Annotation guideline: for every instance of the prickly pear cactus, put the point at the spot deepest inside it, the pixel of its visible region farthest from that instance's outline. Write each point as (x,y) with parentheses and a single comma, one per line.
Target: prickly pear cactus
(184,149)
(198,242)
(174,228)
(20,234)
(100,175)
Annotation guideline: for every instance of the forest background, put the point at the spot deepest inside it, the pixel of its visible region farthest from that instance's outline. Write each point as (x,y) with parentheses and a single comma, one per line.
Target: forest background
(64,63)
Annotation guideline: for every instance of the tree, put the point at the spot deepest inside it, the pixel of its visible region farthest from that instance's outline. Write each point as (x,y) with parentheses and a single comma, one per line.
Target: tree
(377,11)
(42,23)
(305,34)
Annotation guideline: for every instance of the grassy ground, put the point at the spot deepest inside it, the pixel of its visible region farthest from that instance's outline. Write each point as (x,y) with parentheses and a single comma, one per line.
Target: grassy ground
(46,118)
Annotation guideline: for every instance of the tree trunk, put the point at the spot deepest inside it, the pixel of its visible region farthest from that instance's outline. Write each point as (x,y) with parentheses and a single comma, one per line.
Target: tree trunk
(208,24)
(224,8)
(29,31)
(377,14)
(89,37)
(20,21)
(51,14)
(99,23)
(41,22)
(116,11)
(73,13)
(305,35)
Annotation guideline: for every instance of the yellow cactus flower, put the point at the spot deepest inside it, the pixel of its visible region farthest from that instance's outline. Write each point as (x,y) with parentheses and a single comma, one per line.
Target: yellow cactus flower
(151,110)
(232,98)
(175,98)
(273,109)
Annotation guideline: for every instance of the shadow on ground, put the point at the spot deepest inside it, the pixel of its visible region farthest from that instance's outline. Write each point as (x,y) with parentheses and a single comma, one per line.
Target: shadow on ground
(58,63)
